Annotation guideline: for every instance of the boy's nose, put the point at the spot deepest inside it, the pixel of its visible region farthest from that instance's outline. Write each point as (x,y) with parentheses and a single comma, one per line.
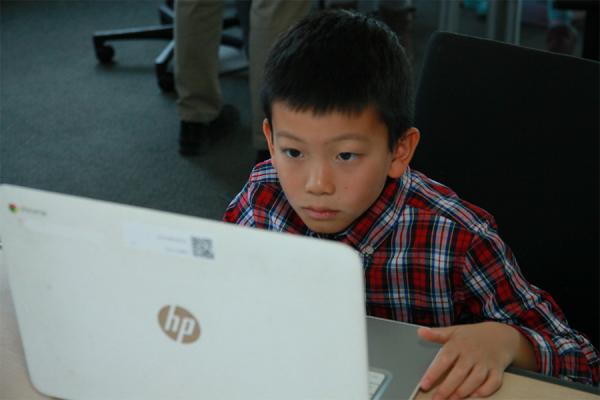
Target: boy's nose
(320,180)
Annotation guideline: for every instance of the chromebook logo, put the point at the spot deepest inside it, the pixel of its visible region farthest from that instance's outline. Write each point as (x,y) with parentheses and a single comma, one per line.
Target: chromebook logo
(27,210)
(179,324)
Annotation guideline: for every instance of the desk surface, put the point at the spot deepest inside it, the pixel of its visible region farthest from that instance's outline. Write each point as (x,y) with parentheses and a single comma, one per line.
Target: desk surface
(14,381)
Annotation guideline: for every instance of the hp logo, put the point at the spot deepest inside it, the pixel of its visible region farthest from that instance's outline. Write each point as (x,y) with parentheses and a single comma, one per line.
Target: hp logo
(179,324)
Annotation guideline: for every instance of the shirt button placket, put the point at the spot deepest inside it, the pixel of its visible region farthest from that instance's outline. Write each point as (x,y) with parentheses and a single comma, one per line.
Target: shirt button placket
(367,254)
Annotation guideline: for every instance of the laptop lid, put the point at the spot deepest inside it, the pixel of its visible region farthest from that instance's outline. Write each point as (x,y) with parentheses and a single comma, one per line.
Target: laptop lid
(114,301)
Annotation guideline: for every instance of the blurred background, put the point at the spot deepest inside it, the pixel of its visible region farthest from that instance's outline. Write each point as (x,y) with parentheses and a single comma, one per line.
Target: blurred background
(71,124)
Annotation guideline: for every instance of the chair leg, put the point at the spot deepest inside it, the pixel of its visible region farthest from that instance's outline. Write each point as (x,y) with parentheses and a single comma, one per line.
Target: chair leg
(165,78)
(166,14)
(105,53)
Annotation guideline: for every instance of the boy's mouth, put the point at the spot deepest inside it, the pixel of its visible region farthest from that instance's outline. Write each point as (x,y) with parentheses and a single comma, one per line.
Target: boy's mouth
(317,213)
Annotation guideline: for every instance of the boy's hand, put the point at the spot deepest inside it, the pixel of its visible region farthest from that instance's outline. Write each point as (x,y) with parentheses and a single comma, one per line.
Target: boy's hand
(473,356)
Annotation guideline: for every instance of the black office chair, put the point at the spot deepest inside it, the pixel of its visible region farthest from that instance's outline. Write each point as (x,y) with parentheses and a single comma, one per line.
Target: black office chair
(164,31)
(515,131)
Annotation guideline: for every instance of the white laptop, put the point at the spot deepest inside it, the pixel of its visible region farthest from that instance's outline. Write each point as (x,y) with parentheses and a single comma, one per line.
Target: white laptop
(120,302)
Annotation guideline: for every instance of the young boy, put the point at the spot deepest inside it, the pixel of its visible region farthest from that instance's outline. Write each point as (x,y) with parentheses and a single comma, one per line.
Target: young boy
(339,128)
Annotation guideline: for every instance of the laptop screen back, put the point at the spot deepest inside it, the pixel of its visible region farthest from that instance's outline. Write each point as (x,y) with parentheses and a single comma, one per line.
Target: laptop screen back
(114,301)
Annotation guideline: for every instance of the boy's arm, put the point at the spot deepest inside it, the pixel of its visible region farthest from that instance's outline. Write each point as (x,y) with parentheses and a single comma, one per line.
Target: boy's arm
(473,358)
(493,289)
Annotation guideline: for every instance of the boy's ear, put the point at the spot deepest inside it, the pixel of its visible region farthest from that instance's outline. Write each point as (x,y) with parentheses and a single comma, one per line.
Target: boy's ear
(403,152)
(266,127)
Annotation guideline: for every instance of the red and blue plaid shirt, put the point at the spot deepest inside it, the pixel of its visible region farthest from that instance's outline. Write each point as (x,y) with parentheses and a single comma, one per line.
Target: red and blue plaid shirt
(433,259)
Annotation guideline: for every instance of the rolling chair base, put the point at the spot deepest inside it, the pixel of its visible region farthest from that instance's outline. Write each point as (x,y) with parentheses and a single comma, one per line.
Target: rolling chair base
(164,77)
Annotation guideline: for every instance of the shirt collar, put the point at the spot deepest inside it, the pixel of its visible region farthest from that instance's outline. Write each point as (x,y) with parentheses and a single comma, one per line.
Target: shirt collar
(371,228)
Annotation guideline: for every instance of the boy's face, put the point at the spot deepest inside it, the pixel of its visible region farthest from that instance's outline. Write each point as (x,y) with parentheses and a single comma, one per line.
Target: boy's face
(333,167)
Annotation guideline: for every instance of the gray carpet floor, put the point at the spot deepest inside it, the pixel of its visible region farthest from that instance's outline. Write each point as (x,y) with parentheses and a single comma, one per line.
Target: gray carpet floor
(71,125)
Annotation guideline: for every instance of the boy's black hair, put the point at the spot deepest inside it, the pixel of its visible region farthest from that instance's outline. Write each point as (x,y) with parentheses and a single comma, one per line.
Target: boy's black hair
(344,61)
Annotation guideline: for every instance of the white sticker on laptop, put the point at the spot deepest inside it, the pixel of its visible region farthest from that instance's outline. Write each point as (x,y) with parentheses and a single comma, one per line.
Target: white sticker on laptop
(168,241)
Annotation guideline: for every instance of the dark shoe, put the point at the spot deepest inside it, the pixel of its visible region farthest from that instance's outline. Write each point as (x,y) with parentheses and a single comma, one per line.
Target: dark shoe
(196,137)
(262,155)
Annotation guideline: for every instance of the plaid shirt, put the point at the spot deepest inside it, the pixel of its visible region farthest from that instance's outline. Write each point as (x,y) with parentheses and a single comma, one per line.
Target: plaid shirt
(433,259)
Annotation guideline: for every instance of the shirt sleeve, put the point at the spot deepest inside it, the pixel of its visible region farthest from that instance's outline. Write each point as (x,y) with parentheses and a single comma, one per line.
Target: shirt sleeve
(240,210)
(495,289)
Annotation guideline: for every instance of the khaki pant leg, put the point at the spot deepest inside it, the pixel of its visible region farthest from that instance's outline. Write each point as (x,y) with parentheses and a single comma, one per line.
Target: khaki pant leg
(268,18)
(198,26)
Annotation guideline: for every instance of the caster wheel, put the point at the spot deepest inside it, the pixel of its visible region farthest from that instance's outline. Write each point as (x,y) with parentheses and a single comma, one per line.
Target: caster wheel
(166,82)
(105,54)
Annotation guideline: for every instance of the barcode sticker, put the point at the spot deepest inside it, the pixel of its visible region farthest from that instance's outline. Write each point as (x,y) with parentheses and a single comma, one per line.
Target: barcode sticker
(202,247)
(167,241)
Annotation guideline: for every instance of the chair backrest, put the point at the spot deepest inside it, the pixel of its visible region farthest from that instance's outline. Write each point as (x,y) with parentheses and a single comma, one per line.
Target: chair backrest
(515,131)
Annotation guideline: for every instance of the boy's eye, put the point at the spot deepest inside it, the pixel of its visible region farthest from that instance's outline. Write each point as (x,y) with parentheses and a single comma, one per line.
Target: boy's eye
(292,153)
(347,156)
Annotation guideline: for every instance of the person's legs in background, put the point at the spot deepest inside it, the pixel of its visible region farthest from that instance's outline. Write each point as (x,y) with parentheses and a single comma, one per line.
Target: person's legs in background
(399,16)
(480,7)
(198,26)
(268,18)
(561,36)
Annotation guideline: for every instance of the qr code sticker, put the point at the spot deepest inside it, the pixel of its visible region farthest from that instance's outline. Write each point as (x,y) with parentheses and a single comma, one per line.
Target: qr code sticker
(202,247)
